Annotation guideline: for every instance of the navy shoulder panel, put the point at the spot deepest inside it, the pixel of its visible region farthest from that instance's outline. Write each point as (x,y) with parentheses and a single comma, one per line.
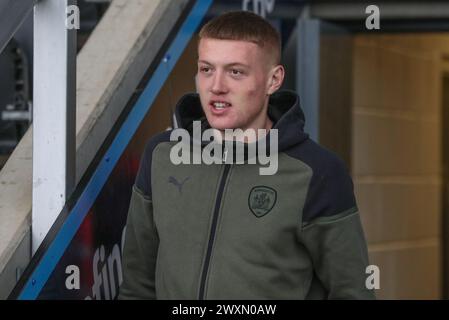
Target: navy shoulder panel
(331,190)
(143,179)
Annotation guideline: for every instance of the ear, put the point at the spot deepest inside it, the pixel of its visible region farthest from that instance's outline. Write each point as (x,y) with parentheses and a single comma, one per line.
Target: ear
(276,79)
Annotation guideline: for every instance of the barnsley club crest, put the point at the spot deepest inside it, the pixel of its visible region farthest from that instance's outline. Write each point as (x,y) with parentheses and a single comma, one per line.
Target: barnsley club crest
(261,200)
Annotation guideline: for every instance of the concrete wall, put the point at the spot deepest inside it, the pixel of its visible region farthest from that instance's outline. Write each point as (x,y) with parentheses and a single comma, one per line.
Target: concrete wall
(396,158)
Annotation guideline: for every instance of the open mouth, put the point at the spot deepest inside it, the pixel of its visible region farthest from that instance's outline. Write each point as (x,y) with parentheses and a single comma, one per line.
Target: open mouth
(219,105)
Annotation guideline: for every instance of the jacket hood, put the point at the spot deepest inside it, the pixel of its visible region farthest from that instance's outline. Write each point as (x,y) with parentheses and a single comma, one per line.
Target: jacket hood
(283,109)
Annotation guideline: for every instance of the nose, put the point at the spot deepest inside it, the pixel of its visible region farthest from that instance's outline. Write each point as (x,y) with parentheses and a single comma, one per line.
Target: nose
(218,84)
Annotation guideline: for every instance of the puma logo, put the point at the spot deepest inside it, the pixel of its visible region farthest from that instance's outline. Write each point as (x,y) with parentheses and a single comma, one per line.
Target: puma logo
(175,182)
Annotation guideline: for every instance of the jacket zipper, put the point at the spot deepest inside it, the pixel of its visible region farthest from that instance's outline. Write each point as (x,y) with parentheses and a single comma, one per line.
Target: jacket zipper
(212,231)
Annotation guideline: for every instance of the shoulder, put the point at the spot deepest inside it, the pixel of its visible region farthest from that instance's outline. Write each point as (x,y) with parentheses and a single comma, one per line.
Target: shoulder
(330,190)
(143,179)
(154,141)
(317,157)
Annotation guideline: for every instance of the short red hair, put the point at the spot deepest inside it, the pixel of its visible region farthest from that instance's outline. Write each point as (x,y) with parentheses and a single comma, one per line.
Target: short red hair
(246,26)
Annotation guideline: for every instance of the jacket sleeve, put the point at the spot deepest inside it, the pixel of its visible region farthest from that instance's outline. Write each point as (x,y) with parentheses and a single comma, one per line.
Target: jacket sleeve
(338,251)
(333,235)
(141,238)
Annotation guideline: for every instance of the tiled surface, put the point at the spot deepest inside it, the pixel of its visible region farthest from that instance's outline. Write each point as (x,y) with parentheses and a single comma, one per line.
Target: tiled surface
(390,145)
(409,270)
(399,210)
(396,158)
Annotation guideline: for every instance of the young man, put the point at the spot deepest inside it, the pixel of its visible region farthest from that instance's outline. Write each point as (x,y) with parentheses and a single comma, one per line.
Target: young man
(224,231)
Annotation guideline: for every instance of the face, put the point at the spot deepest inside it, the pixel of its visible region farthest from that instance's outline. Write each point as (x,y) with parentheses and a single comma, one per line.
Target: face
(234,81)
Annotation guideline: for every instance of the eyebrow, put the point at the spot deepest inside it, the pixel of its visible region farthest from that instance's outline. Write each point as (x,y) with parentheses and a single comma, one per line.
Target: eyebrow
(234,64)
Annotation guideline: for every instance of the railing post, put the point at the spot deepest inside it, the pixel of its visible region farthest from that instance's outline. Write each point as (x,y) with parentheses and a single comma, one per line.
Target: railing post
(54,114)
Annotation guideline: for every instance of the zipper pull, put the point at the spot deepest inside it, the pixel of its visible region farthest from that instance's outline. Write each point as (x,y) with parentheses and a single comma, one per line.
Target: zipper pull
(225,155)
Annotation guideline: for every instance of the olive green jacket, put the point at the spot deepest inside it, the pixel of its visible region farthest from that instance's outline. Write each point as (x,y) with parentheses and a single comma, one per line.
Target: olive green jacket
(223,231)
